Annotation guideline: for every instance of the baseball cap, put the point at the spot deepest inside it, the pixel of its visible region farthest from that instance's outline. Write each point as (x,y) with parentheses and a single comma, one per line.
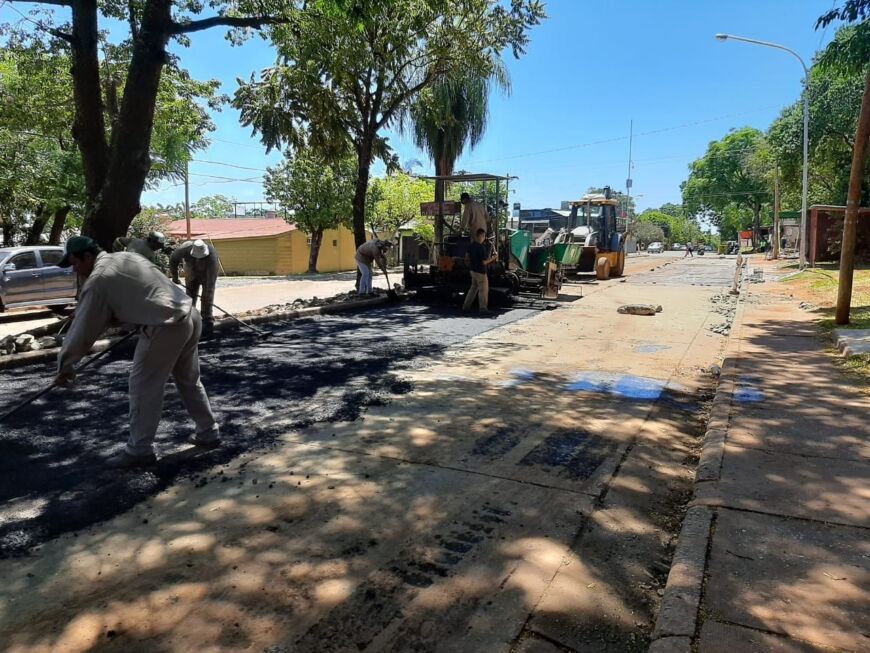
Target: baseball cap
(77,245)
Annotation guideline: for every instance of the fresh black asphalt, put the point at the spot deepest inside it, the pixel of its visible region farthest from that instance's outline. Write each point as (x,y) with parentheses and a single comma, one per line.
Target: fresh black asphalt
(53,478)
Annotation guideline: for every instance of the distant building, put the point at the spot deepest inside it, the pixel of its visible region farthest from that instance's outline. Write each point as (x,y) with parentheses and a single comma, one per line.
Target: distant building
(264,246)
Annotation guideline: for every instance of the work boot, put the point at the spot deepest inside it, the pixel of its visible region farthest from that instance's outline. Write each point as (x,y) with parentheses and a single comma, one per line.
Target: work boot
(205,443)
(125,461)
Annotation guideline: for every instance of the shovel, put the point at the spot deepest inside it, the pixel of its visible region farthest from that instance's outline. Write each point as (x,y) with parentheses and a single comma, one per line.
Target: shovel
(259,332)
(49,388)
(392,295)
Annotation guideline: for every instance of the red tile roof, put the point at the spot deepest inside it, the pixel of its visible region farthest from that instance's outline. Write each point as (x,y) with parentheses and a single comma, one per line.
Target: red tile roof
(229,228)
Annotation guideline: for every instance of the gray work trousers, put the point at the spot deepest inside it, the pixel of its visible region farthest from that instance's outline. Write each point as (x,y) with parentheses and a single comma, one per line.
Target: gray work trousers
(163,350)
(480,289)
(192,283)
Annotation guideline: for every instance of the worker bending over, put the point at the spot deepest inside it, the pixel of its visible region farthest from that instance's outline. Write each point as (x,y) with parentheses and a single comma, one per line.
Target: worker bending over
(366,254)
(478,258)
(201,265)
(147,247)
(125,288)
(474,216)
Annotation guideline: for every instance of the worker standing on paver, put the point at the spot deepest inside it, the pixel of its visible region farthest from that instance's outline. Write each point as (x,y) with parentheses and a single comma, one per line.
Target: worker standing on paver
(474,216)
(366,254)
(201,266)
(478,258)
(124,287)
(147,247)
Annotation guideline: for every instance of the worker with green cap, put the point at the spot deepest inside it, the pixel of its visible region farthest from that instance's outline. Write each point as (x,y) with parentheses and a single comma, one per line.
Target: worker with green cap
(201,266)
(147,247)
(124,287)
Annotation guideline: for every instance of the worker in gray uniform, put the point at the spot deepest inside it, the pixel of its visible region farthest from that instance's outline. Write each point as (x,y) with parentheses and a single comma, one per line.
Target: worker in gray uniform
(125,288)
(147,247)
(201,266)
(366,255)
(474,216)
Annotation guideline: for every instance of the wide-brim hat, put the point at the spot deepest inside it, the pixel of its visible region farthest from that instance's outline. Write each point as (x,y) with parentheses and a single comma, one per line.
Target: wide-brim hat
(199,249)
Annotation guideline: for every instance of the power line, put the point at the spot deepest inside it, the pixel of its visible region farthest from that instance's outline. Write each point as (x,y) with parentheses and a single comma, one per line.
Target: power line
(623,138)
(228,165)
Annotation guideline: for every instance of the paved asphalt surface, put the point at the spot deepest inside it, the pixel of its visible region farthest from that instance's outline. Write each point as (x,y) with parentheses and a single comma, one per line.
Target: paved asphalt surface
(52,474)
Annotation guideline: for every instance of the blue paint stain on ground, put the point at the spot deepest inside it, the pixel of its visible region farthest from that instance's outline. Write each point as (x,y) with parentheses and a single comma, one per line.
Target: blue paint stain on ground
(747,391)
(649,348)
(748,395)
(621,385)
(519,376)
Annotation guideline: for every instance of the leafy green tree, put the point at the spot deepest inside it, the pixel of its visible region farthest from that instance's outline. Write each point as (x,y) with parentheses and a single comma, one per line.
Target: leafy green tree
(734,172)
(319,194)
(212,206)
(834,94)
(394,200)
(647,232)
(341,79)
(115,146)
(37,107)
(451,114)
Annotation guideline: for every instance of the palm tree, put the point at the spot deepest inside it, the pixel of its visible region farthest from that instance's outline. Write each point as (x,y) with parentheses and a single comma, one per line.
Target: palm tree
(452,114)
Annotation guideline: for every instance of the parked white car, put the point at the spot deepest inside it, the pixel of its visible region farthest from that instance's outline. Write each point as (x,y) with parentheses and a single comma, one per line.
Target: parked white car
(655,248)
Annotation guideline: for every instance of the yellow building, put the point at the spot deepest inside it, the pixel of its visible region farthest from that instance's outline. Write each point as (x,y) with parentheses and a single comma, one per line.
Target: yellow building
(262,246)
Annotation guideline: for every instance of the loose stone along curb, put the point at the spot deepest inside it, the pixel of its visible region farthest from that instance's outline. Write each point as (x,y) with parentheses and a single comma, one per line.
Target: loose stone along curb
(678,616)
(39,356)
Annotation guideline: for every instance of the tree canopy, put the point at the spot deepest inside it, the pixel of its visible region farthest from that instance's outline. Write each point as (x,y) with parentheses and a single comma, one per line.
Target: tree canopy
(114,98)
(734,172)
(317,192)
(341,79)
(45,173)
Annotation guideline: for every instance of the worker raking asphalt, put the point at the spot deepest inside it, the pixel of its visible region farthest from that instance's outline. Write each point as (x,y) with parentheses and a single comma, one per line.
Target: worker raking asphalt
(53,477)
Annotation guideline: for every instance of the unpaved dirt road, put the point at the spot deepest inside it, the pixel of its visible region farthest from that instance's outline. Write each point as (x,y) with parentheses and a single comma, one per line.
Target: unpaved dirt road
(407,479)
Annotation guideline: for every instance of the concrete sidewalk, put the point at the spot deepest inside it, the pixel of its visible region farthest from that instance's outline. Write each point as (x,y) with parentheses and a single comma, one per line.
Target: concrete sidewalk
(774,554)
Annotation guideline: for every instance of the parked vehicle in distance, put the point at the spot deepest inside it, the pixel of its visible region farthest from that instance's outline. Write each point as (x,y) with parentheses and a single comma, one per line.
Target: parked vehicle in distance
(29,276)
(655,248)
(677,247)
(708,248)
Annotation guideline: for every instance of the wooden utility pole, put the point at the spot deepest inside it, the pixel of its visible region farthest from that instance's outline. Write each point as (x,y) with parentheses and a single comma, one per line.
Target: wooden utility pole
(776,214)
(187,199)
(853,202)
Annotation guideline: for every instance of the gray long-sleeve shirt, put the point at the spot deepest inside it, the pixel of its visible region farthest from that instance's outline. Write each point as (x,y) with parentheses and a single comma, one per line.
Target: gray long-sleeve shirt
(124,287)
(206,269)
(369,252)
(135,245)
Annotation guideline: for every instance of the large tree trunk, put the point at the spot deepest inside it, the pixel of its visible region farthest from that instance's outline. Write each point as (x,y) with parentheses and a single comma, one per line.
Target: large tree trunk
(89,128)
(58,224)
(37,226)
(115,175)
(363,171)
(8,232)
(442,167)
(316,241)
(853,202)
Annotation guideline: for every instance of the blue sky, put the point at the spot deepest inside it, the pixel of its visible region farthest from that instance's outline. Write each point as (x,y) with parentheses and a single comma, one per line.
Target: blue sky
(591,68)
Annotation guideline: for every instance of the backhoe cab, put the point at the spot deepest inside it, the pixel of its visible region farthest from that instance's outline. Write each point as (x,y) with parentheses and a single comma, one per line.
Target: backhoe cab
(592,224)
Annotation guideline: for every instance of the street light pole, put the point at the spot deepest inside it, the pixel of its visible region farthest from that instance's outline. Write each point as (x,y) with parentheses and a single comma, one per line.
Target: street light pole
(802,238)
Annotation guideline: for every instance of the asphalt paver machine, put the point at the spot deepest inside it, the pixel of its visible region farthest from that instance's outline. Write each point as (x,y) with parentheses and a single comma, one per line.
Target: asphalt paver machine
(521,267)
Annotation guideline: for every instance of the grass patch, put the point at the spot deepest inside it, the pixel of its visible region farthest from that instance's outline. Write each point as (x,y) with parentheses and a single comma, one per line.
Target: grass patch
(819,286)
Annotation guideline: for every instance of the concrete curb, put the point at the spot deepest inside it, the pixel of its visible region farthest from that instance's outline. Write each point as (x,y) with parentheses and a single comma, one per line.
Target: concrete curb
(224,324)
(677,620)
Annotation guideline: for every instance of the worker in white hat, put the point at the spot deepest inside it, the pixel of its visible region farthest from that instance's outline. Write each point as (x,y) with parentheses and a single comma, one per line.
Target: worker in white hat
(147,247)
(201,265)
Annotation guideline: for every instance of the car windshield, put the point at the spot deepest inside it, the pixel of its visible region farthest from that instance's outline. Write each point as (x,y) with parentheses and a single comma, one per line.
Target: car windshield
(4,254)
